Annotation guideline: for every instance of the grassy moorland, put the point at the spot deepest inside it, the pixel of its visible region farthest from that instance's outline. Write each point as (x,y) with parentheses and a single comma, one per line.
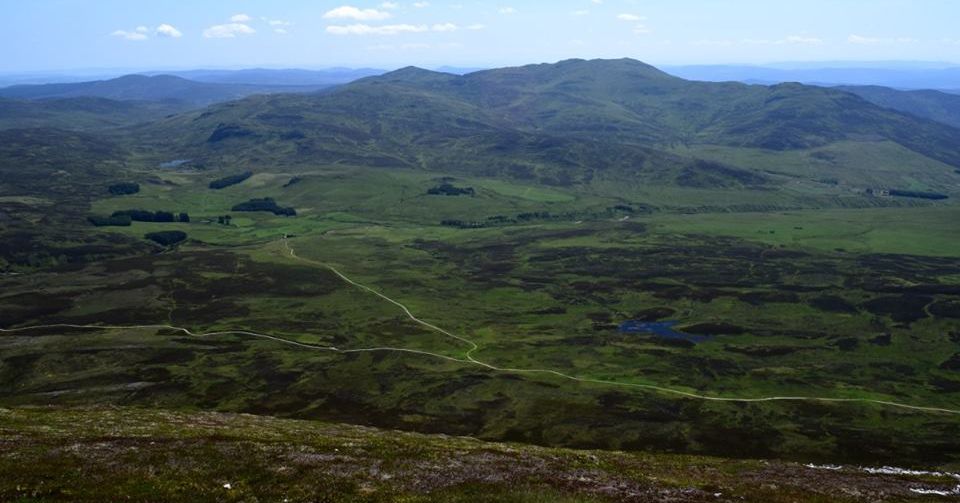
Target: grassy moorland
(790,304)
(518,258)
(930,231)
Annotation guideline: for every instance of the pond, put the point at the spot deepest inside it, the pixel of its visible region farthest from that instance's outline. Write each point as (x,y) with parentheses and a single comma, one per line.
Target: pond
(176,163)
(663,329)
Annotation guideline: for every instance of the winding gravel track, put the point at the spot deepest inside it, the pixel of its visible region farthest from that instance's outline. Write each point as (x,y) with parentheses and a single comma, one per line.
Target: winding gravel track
(473,347)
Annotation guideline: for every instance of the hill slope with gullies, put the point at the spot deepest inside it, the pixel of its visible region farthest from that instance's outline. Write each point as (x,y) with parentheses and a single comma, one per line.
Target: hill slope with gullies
(567,123)
(83,113)
(935,105)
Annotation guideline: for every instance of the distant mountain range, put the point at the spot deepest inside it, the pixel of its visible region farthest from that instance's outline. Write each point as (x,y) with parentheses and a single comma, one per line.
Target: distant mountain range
(150,88)
(204,87)
(272,77)
(899,78)
(935,105)
(83,113)
(925,90)
(557,123)
(294,76)
(895,74)
(561,124)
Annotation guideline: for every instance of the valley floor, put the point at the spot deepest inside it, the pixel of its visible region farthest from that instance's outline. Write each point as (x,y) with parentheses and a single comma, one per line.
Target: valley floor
(822,335)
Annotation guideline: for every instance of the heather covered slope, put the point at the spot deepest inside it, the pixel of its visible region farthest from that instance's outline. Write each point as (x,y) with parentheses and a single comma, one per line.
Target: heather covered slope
(934,105)
(83,113)
(111,454)
(635,102)
(563,124)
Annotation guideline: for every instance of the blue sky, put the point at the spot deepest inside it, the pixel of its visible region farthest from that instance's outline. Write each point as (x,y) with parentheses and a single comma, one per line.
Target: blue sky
(179,34)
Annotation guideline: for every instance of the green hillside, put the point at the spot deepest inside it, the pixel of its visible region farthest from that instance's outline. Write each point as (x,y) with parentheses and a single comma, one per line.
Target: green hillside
(934,105)
(84,113)
(564,124)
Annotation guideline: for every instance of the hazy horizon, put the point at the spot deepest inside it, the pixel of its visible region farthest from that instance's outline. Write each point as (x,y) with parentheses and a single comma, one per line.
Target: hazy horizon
(781,65)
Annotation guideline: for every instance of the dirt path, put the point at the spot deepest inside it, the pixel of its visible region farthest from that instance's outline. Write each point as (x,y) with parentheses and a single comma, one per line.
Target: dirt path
(473,347)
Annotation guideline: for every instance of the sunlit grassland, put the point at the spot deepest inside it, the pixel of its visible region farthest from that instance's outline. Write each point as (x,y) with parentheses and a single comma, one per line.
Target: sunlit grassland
(511,323)
(543,294)
(887,165)
(920,231)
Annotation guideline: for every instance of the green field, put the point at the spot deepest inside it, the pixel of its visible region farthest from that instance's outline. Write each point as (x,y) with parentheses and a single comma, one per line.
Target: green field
(917,231)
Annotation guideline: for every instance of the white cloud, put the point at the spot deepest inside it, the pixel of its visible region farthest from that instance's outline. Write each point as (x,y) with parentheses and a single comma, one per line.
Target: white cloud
(713,43)
(240,18)
(389,5)
(857,39)
(421,5)
(365,29)
(507,10)
(276,23)
(230,30)
(597,2)
(801,39)
(143,33)
(130,35)
(639,28)
(582,12)
(166,30)
(477,26)
(280,31)
(861,40)
(350,12)
(445,27)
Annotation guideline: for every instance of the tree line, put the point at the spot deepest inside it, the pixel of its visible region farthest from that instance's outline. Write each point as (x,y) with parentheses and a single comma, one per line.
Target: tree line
(124,218)
(265,204)
(166,238)
(446,189)
(231,180)
(124,188)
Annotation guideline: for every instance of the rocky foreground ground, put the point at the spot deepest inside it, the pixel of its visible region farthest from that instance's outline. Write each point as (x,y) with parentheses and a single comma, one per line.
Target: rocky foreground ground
(128,454)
